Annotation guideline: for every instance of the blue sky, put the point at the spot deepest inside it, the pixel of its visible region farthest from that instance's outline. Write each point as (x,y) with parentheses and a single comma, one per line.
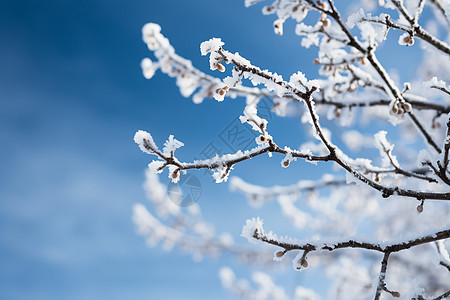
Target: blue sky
(72,97)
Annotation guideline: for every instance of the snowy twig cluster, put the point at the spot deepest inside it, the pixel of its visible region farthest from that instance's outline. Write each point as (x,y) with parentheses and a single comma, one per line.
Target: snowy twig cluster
(354,89)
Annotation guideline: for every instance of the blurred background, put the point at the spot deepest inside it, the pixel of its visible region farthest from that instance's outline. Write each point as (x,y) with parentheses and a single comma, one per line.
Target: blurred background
(72,96)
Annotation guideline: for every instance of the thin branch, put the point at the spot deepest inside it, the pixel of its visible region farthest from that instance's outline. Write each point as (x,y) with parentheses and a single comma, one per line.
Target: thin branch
(394,91)
(443,296)
(305,96)
(441,89)
(381,284)
(399,170)
(441,10)
(419,105)
(418,31)
(445,234)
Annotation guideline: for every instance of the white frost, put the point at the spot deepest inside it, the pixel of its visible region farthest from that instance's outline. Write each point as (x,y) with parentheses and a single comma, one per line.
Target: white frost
(252,227)
(211,46)
(171,145)
(142,137)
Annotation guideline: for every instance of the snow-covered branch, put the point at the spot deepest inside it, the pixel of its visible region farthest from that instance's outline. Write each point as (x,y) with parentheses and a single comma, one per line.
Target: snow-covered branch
(357,104)
(254,230)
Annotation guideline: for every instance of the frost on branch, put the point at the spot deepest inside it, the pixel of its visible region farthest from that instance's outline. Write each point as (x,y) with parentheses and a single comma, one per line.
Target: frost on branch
(171,145)
(340,223)
(190,80)
(385,149)
(145,142)
(252,228)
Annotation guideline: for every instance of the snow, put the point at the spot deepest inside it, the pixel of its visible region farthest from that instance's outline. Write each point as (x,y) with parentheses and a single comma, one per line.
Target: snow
(141,136)
(150,32)
(148,70)
(405,40)
(171,145)
(336,212)
(435,83)
(221,174)
(384,146)
(278,26)
(354,18)
(251,117)
(211,46)
(156,166)
(251,227)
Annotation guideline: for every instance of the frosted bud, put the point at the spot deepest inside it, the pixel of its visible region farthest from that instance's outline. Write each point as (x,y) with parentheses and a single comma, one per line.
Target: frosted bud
(175,175)
(337,112)
(407,107)
(148,69)
(363,60)
(353,86)
(287,160)
(304,263)
(395,108)
(261,139)
(278,26)
(323,17)
(279,253)
(267,10)
(221,92)
(220,67)
(409,40)
(326,22)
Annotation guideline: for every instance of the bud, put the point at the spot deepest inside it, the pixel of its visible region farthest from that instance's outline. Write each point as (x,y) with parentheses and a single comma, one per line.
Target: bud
(279,254)
(268,8)
(221,92)
(326,23)
(395,294)
(262,138)
(316,61)
(304,263)
(435,125)
(377,178)
(220,67)
(337,112)
(353,86)
(175,175)
(407,107)
(394,109)
(295,9)
(286,163)
(409,40)
(420,208)
(363,60)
